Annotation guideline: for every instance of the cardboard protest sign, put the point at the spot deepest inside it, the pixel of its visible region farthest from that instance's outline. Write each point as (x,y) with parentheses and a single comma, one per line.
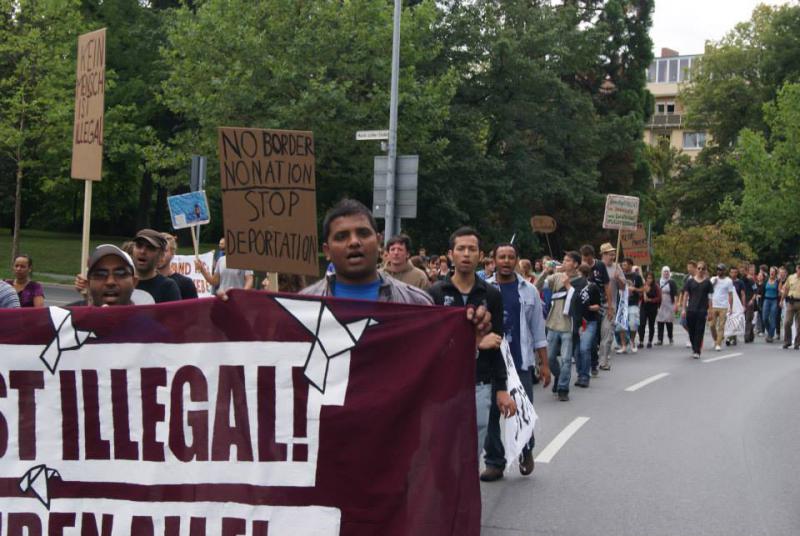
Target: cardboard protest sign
(87,132)
(622,212)
(517,430)
(184,265)
(252,416)
(188,210)
(543,224)
(269,200)
(636,246)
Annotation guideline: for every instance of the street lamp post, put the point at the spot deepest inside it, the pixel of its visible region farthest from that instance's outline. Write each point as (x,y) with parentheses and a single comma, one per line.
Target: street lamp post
(392,222)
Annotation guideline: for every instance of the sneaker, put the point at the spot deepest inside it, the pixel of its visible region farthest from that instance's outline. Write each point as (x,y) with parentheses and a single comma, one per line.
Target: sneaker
(605,367)
(659,343)
(797,346)
(582,383)
(491,474)
(526,463)
(671,342)
(595,371)
(634,349)
(688,344)
(717,348)
(649,344)
(641,345)
(785,346)
(695,356)
(621,350)
(563,396)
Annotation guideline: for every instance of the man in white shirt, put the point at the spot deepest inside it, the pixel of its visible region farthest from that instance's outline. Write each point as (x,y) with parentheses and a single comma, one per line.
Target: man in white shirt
(721,304)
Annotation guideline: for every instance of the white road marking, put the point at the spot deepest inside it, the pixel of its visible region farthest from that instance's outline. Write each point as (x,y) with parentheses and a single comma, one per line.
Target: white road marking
(720,358)
(648,381)
(549,452)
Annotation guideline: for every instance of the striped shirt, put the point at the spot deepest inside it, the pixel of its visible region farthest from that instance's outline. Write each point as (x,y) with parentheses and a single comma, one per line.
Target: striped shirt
(8,296)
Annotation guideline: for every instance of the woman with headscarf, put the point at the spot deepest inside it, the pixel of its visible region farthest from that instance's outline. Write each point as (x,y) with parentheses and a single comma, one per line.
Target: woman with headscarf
(669,305)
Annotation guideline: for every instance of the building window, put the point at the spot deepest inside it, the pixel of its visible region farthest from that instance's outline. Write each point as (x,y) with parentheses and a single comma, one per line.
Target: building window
(651,72)
(670,107)
(685,72)
(660,108)
(694,140)
(662,71)
(673,70)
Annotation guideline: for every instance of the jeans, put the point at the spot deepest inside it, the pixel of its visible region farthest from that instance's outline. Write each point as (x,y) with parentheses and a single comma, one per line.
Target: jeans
(661,331)
(770,314)
(588,336)
(696,326)
(559,351)
(606,340)
(792,315)
(483,404)
(495,453)
(749,335)
(650,311)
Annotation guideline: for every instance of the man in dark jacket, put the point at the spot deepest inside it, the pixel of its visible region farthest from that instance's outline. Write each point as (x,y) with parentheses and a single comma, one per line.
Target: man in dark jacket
(465,289)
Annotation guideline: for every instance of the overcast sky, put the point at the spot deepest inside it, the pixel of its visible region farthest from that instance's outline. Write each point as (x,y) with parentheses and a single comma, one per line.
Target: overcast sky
(685,25)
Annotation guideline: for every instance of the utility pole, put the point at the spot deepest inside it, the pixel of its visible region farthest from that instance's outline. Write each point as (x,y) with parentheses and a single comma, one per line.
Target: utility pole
(392,223)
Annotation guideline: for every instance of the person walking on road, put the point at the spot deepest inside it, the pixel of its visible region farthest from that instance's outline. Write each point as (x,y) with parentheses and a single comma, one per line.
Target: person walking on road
(29,292)
(750,295)
(769,309)
(721,305)
(791,295)
(559,322)
(668,307)
(466,289)
(523,328)
(651,301)
(697,299)
(635,285)
(609,256)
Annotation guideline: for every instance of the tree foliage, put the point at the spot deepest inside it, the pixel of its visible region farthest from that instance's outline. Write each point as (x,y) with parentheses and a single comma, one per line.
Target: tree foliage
(515,108)
(710,243)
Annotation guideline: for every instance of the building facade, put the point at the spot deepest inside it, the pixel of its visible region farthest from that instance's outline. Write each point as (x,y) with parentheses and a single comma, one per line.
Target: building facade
(665,78)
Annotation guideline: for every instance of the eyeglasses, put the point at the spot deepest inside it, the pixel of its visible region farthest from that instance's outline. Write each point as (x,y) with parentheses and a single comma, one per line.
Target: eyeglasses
(102,274)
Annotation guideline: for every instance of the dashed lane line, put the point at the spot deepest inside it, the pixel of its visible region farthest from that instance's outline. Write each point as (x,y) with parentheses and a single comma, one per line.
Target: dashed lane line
(720,358)
(549,452)
(646,382)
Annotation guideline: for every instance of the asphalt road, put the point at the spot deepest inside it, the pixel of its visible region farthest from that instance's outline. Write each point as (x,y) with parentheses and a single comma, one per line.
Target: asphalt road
(707,448)
(59,294)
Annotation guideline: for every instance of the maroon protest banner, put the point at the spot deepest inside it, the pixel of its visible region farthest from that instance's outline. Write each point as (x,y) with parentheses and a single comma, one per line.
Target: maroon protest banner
(264,415)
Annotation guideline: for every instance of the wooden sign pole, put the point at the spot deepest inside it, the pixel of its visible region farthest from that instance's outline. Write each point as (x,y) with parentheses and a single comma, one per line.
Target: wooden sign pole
(195,241)
(87,222)
(547,237)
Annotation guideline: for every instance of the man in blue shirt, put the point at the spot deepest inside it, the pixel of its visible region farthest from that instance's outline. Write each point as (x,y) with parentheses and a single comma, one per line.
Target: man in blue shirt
(523,328)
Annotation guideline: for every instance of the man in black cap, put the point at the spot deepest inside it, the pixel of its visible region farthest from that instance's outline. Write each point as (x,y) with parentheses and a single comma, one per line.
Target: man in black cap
(149,247)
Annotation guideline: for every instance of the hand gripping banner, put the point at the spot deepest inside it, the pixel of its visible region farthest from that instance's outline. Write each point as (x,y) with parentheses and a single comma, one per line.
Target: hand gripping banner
(265,415)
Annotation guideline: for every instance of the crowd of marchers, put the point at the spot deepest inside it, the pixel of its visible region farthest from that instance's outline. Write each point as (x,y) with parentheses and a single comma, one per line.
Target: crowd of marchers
(555,315)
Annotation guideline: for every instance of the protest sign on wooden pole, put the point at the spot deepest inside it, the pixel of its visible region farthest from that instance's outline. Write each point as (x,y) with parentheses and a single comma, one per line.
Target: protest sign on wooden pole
(87,133)
(622,213)
(544,225)
(269,201)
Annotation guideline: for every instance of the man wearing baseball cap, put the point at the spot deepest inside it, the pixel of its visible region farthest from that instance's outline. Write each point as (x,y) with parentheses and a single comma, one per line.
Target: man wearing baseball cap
(112,278)
(149,247)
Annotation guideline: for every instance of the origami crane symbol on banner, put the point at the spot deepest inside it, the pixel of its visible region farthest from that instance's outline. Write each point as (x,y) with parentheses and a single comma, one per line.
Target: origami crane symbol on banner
(331,337)
(66,338)
(36,480)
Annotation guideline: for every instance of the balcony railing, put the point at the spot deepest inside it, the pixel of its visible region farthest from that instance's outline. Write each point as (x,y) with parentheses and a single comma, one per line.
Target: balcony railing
(666,121)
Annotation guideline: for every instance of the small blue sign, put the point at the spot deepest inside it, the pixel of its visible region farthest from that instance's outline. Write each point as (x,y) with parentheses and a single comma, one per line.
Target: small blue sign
(189,210)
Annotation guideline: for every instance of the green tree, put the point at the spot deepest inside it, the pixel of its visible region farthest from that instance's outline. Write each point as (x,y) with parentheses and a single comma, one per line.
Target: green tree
(711,243)
(37,74)
(770,168)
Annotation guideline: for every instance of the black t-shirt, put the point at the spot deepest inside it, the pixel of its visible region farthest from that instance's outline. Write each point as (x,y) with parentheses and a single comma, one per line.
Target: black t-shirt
(599,276)
(162,289)
(634,296)
(185,286)
(590,295)
(750,288)
(698,294)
